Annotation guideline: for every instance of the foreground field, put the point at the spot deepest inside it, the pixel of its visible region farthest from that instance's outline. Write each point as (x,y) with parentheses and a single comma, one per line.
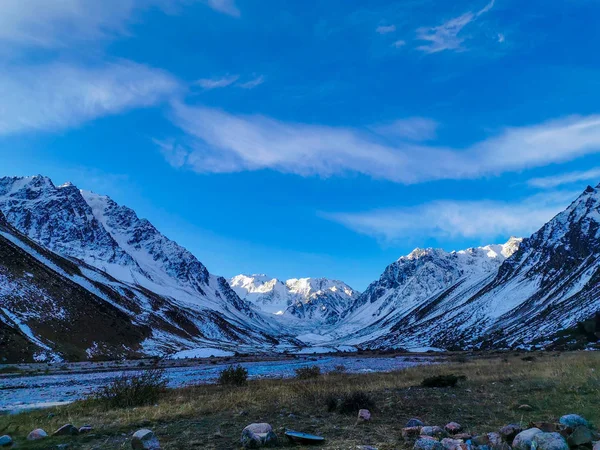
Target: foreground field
(212,417)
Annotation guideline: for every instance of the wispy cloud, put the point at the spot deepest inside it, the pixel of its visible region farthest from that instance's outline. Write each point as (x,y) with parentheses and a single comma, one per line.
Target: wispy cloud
(592,175)
(252,83)
(57,96)
(412,128)
(449,219)
(216,83)
(385,29)
(225,6)
(399,43)
(221,142)
(446,36)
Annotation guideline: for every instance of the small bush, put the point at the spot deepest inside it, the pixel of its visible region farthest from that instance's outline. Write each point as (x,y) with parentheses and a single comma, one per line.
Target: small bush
(234,376)
(137,389)
(528,358)
(440,381)
(306,373)
(351,403)
(340,368)
(331,401)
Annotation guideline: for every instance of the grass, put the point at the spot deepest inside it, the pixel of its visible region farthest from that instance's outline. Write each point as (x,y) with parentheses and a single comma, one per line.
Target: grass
(213,416)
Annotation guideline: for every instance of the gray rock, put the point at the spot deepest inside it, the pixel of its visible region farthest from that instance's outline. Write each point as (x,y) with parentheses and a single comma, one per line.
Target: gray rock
(524,439)
(37,434)
(258,435)
(509,432)
(596,446)
(580,436)
(144,439)
(433,431)
(453,428)
(425,443)
(550,441)
(411,433)
(453,444)
(573,421)
(85,429)
(414,422)
(5,440)
(66,430)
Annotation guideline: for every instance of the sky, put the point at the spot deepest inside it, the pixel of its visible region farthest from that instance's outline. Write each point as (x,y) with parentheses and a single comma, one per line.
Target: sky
(308,138)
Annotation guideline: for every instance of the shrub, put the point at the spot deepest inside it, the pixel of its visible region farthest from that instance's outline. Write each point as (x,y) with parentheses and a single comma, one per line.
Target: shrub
(440,381)
(351,403)
(340,368)
(306,373)
(128,390)
(234,376)
(331,401)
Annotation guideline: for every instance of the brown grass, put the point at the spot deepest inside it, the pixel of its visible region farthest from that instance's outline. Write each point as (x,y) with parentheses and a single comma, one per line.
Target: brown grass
(212,417)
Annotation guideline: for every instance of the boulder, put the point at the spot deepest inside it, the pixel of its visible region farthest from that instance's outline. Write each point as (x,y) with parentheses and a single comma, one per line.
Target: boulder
(454,444)
(144,439)
(509,432)
(573,421)
(427,443)
(433,431)
(5,440)
(66,430)
(580,436)
(258,435)
(364,414)
(414,422)
(410,433)
(524,439)
(453,428)
(37,434)
(550,441)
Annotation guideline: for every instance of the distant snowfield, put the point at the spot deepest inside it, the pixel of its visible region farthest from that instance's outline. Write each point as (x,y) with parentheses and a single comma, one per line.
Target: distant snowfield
(201,353)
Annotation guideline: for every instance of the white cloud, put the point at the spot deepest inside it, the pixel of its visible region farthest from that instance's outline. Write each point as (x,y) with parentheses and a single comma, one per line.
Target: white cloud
(399,43)
(449,219)
(501,38)
(566,178)
(224,6)
(216,83)
(412,128)
(223,142)
(446,36)
(252,83)
(385,29)
(57,96)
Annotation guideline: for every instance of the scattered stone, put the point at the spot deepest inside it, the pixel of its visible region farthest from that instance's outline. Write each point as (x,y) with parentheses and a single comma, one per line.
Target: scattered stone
(433,431)
(144,439)
(509,432)
(481,440)
(550,441)
(495,439)
(580,436)
(5,440)
(66,430)
(414,422)
(364,414)
(85,429)
(453,428)
(410,433)
(427,443)
(454,444)
(258,435)
(524,439)
(37,434)
(463,436)
(525,408)
(573,421)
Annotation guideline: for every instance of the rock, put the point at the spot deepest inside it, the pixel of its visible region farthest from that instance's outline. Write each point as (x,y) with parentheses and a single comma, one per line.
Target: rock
(366,447)
(495,439)
(462,436)
(364,414)
(5,440)
(414,422)
(433,431)
(66,430)
(546,427)
(509,432)
(258,435)
(427,443)
(573,421)
(597,446)
(144,439)
(580,436)
(524,439)
(410,433)
(85,429)
(37,434)
(550,441)
(453,428)
(454,444)
(525,408)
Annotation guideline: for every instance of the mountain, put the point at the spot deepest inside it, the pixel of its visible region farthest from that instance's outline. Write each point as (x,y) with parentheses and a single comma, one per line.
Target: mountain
(163,288)
(541,292)
(319,300)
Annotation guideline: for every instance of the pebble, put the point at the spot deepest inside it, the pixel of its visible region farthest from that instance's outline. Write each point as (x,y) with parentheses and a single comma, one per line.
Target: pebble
(364,414)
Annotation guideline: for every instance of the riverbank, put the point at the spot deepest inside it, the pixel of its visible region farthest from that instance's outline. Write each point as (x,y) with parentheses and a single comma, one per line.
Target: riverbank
(212,417)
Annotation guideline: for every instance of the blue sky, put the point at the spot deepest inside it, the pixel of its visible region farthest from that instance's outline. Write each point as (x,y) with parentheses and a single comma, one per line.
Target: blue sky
(308,138)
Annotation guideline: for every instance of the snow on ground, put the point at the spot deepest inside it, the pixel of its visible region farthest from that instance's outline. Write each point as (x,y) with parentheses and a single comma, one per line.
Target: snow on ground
(201,353)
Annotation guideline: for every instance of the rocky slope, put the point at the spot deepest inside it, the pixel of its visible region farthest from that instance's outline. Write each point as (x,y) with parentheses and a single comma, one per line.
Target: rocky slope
(319,300)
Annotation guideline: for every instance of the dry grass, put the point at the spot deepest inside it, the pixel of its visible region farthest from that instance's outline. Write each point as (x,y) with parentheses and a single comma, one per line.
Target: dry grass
(212,417)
